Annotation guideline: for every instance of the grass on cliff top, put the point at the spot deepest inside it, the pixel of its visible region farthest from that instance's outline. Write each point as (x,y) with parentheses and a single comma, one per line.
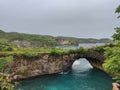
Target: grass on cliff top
(7,49)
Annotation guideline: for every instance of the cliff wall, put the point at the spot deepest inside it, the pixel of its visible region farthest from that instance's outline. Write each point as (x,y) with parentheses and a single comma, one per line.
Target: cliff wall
(50,64)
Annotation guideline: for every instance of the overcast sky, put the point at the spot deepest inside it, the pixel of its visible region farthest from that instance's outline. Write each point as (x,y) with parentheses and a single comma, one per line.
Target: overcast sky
(75,18)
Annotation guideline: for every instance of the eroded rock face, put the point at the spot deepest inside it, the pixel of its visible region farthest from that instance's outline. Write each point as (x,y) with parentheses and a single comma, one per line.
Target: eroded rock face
(96,59)
(22,43)
(25,43)
(63,42)
(47,64)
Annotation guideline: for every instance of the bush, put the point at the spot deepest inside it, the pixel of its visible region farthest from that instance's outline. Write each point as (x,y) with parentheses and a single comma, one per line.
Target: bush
(5,46)
(112,63)
(99,48)
(5,81)
(58,51)
(79,50)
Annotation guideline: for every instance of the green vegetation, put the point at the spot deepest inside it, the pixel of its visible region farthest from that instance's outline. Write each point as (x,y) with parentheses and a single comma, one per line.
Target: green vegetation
(112,63)
(57,51)
(36,40)
(79,50)
(116,36)
(4,61)
(31,40)
(7,49)
(32,52)
(118,10)
(5,46)
(5,81)
(100,48)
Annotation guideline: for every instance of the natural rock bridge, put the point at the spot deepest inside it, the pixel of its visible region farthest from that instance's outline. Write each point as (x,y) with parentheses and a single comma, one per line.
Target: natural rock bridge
(47,64)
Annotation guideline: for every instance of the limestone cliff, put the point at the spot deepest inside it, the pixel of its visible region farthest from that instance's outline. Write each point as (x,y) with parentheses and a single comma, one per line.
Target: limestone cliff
(47,64)
(96,59)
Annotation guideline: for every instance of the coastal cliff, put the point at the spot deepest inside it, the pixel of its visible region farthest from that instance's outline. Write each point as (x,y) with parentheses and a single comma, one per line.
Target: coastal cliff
(45,64)
(32,62)
(51,64)
(32,40)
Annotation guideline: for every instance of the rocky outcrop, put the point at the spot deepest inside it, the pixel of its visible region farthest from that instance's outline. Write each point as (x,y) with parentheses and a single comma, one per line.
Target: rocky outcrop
(47,64)
(21,43)
(25,43)
(63,42)
(96,59)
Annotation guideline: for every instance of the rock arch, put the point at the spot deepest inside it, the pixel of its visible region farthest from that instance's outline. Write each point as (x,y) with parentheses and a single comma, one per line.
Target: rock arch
(47,64)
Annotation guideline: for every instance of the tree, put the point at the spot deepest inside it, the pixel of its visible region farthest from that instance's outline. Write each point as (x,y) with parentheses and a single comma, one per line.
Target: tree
(118,10)
(116,35)
(112,63)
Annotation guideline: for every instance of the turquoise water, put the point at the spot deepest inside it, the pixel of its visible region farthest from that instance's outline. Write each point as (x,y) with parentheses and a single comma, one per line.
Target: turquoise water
(81,76)
(85,78)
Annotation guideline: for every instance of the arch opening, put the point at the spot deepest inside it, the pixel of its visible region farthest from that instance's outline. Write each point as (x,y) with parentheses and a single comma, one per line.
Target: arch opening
(81,65)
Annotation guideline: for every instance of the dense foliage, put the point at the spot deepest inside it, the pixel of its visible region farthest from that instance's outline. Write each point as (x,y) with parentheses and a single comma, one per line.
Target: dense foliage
(5,81)
(112,63)
(58,51)
(5,46)
(118,10)
(7,49)
(4,61)
(116,36)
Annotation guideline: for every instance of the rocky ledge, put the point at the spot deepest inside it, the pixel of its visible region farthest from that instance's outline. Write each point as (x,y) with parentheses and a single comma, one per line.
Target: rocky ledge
(24,68)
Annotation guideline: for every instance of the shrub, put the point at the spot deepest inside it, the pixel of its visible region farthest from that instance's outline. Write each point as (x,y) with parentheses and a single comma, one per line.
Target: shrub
(99,48)
(5,81)
(58,51)
(79,50)
(112,63)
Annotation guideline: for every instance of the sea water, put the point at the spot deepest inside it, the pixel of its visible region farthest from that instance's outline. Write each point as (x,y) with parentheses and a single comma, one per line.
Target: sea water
(81,76)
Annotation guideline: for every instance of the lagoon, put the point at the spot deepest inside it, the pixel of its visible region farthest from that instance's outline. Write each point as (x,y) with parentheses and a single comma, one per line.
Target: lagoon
(81,76)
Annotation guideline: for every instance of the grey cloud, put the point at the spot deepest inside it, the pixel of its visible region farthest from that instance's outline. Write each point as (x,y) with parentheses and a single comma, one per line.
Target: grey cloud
(78,18)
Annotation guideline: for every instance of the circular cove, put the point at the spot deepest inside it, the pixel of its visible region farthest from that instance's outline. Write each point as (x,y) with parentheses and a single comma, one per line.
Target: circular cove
(80,77)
